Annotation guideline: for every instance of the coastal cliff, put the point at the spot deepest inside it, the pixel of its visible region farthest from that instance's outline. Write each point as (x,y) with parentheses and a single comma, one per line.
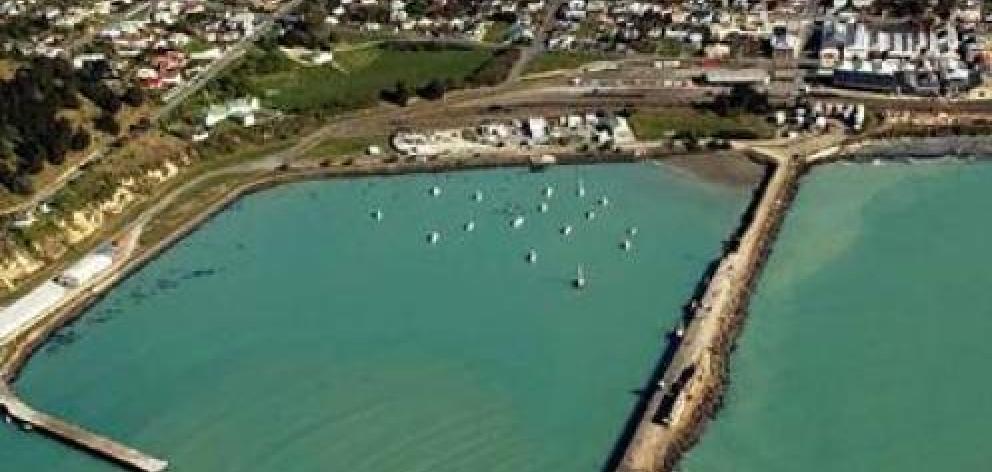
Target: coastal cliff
(42,239)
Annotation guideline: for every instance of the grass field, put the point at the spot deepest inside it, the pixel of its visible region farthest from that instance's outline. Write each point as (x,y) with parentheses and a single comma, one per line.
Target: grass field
(556,60)
(345,146)
(661,124)
(361,75)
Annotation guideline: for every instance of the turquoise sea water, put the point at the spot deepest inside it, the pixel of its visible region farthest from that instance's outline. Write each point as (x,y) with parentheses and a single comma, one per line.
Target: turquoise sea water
(296,333)
(867,346)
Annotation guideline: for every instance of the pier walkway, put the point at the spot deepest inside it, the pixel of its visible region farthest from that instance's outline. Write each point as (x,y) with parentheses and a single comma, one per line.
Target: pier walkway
(77,436)
(674,411)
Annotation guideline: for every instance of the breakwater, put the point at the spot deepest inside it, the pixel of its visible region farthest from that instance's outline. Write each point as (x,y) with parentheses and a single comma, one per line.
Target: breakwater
(865,256)
(690,387)
(76,436)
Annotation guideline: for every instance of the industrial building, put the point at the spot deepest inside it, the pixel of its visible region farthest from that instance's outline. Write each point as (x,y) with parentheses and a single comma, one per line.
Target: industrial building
(897,59)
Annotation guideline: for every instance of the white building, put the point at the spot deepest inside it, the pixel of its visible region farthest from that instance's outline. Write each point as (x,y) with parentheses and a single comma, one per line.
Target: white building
(241,108)
(85,270)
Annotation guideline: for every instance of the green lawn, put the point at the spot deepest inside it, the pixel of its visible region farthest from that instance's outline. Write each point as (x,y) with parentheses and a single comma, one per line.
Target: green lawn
(363,74)
(657,125)
(346,146)
(555,60)
(196,45)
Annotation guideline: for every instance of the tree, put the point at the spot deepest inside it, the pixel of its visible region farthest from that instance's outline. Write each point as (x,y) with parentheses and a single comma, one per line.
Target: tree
(108,124)
(102,96)
(314,14)
(434,89)
(134,96)
(399,95)
(416,8)
(80,140)
(741,98)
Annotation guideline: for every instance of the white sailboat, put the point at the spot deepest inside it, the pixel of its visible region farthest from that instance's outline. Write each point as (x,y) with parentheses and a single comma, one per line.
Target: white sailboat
(433,237)
(625,245)
(549,191)
(581,190)
(477,196)
(532,256)
(543,207)
(590,215)
(435,191)
(632,231)
(580,278)
(377,214)
(517,222)
(566,230)
(470,226)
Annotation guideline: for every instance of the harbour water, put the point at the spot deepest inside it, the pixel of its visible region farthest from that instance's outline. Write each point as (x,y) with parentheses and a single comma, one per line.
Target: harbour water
(866,347)
(315,326)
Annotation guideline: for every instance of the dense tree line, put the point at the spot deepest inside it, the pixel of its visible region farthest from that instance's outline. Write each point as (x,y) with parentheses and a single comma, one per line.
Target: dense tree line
(32,130)
(738,100)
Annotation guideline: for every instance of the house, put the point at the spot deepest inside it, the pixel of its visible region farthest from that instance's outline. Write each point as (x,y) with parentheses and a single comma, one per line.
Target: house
(537,129)
(206,55)
(169,60)
(241,108)
(80,60)
(716,51)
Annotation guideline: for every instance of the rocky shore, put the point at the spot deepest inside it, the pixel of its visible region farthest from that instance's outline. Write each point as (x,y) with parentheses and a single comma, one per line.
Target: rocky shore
(913,149)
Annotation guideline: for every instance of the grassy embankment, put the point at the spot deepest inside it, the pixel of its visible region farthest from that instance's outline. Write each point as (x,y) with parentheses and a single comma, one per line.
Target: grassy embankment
(650,125)
(558,60)
(345,146)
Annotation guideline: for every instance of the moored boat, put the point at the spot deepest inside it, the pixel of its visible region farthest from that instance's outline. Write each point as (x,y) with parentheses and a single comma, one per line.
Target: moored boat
(580,278)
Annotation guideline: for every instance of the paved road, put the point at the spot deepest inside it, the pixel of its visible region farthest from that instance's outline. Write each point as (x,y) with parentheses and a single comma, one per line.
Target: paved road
(539,44)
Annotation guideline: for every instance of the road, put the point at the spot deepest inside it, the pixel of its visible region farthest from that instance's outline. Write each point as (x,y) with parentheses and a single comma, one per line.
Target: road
(539,43)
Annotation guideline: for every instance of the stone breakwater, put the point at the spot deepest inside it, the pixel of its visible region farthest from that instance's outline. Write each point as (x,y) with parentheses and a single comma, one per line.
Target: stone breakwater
(916,149)
(691,387)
